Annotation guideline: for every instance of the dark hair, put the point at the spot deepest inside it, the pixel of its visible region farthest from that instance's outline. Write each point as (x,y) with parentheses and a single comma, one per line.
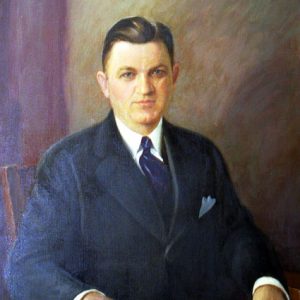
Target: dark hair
(137,30)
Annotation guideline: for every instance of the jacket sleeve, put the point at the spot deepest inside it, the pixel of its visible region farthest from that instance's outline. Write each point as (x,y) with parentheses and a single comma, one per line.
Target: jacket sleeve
(47,258)
(247,251)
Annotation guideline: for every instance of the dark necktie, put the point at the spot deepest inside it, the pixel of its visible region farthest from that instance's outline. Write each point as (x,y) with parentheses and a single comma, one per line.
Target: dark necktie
(154,169)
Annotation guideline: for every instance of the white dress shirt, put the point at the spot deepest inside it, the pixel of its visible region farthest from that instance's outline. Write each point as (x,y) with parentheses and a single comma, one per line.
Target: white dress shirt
(132,140)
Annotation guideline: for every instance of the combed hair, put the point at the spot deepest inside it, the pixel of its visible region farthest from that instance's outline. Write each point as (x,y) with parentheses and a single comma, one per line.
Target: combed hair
(137,30)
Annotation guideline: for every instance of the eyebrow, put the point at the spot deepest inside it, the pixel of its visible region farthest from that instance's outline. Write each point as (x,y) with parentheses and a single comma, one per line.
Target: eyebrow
(159,66)
(128,68)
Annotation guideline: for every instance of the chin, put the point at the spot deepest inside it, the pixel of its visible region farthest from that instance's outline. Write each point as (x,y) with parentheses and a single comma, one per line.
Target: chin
(148,119)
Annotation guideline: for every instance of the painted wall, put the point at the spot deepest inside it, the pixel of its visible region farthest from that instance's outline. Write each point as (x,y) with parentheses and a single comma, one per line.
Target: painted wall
(33,114)
(239,85)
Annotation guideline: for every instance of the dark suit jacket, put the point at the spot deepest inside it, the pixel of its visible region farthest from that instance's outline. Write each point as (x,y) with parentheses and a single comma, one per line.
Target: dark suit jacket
(92,222)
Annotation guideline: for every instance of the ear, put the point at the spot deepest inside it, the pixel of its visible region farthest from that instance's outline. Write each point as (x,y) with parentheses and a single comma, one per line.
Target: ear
(175,72)
(103,82)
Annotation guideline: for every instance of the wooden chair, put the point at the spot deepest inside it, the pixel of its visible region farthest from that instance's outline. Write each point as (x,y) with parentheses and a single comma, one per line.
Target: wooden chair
(16,183)
(295,294)
(15,186)
(293,280)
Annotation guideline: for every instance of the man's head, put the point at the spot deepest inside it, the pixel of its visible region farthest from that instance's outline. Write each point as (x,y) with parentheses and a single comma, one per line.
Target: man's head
(137,30)
(139,72)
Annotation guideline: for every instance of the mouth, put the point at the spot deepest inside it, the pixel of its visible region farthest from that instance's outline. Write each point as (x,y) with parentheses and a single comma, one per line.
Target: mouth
(145,102)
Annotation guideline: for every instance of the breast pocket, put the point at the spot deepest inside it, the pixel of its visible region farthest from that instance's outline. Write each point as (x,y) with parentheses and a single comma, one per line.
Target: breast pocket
(207,204)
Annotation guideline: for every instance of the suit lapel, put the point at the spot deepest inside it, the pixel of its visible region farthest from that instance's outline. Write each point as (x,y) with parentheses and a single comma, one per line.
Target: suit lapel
(120,176)
(181,165)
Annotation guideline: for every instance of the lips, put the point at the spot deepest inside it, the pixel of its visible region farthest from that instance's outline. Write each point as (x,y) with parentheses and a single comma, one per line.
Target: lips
(146,102)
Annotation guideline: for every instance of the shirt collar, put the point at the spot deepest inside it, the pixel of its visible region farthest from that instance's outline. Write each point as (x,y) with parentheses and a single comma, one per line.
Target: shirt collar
(133,139)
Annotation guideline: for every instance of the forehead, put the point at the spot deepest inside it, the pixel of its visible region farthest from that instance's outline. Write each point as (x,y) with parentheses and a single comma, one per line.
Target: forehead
(145,55)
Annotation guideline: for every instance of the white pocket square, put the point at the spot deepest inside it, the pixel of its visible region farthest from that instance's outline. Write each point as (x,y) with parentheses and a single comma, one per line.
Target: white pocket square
(207,204)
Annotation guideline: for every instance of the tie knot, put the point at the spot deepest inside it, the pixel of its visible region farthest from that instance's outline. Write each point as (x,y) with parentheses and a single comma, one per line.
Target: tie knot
(146,143)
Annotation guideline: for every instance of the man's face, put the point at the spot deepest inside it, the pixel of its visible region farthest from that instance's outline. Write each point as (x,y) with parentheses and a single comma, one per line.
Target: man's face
(139,81)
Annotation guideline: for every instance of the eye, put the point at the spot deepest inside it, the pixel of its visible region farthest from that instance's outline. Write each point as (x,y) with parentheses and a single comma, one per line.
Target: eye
(158,73)
(127,75)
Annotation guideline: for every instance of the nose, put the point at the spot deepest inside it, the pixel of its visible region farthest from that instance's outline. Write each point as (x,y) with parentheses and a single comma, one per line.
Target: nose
(145,86)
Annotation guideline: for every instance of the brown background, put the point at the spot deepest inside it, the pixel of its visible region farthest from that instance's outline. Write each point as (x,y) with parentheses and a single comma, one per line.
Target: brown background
(239,85)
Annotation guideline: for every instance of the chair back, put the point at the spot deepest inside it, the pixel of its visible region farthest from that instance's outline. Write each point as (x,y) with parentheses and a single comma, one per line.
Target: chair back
(15,186)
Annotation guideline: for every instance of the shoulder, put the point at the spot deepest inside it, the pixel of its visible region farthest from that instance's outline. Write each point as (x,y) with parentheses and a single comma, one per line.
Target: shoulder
(195,146)
(75,141)
(189,140)
(70,148)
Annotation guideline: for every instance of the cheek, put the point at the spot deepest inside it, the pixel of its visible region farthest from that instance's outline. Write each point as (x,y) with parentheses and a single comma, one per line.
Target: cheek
(120,91)
(164,87)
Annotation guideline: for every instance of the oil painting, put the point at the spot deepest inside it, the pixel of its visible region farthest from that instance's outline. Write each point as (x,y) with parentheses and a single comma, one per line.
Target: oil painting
(230,74)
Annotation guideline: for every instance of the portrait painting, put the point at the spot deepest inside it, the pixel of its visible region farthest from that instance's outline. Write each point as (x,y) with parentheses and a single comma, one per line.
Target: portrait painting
(236,81)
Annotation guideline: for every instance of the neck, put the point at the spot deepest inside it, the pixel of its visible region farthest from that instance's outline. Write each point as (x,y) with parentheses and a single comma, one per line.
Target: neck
(142,129)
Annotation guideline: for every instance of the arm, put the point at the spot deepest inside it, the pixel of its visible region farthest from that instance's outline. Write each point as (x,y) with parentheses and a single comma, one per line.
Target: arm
(47,258)
(248,253)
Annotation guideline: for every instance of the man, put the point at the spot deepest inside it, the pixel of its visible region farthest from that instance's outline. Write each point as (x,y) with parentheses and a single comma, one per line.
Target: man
(134,207)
